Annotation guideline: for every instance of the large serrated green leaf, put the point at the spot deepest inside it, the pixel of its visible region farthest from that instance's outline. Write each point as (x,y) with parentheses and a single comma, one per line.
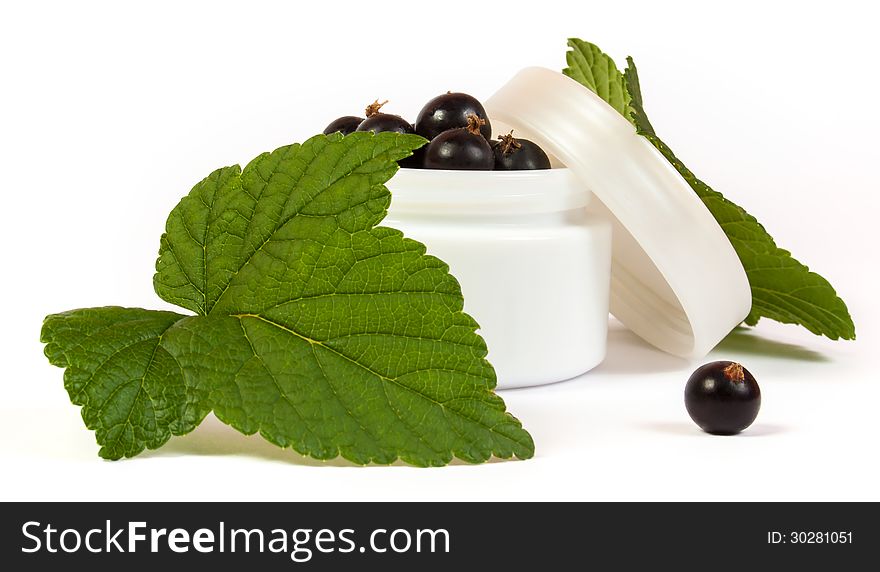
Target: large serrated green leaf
(317,329)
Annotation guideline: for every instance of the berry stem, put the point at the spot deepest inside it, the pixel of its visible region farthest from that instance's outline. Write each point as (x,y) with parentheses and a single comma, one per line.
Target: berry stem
(474,122)
(509,144)
(374,108)
(734,372)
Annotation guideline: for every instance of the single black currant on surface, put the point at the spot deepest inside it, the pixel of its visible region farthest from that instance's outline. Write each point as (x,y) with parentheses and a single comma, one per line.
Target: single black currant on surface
(450,111)
(722,397)
(513,154)
(345,125)
(460,149)
(378,122)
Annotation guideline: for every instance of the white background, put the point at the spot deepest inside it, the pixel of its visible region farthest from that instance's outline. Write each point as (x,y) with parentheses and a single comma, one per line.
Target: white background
(110,113)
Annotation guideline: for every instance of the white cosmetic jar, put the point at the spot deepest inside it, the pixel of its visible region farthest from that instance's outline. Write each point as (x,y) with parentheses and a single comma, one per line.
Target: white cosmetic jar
(534,250)
(533,263)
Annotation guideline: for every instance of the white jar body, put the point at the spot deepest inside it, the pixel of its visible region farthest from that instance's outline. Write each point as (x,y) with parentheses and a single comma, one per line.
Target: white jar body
(537,283)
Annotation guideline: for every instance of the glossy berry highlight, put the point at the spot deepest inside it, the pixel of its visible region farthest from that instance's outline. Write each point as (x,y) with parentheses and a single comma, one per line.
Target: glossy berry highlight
(451,111)
(722,397)
(460,149)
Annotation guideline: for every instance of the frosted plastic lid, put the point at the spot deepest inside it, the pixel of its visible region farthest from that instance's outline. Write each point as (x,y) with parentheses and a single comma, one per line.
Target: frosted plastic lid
(675,280)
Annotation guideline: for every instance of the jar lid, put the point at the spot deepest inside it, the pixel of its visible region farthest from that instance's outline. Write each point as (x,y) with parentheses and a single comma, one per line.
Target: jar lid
(675,279)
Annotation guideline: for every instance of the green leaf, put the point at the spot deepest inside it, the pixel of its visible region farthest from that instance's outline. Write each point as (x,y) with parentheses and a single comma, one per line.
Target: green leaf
(133,392)
(593,68)
(316,328)
(783,289)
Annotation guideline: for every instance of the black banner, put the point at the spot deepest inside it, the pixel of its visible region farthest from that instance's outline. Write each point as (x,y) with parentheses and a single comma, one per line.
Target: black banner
(397,536)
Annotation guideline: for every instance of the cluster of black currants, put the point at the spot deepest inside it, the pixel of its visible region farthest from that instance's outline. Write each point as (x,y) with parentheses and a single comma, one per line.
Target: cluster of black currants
(459,135)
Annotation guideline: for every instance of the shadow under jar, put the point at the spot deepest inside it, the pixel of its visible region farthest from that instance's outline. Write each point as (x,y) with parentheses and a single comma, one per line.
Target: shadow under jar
(534,265)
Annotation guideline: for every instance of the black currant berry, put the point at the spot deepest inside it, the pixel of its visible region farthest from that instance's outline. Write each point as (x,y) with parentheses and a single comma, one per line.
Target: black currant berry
(381,122)
(462,149)
(722,397)
(345,125)
(416,160)
(518,154)
(450,111)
